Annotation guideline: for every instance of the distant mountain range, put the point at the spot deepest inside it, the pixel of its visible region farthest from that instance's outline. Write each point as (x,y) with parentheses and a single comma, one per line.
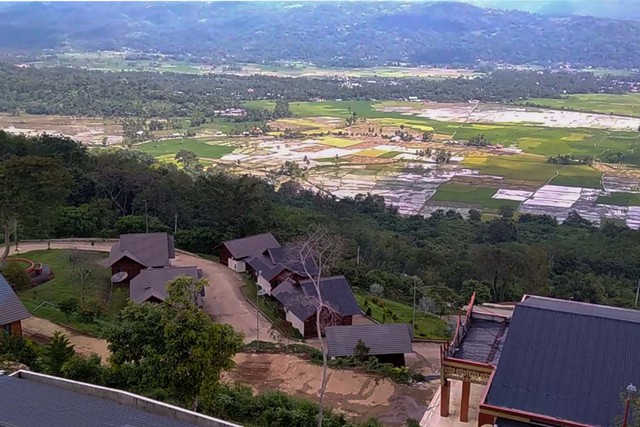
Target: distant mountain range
(325,33)
(617,9)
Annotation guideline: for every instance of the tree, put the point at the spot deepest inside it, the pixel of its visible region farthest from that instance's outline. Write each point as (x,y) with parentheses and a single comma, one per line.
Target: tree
(31,188)
(281,109)
(18,349)
(85,369)
(187,158)
(361,351)
(57,352)
(16,275)
(82,272)
(68,306)
(320,249)
(475,215)
(506,211)
(376,289)
(482,291)
(174,345)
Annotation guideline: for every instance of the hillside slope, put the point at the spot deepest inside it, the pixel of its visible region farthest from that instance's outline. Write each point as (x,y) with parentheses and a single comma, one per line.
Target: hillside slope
(327,33)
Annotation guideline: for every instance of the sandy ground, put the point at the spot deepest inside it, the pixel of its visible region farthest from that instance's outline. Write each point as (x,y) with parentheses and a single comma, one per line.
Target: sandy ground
(432,416)
(358,395)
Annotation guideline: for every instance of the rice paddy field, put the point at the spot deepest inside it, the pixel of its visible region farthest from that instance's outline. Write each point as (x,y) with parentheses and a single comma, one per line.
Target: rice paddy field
(626,104)
(168,147)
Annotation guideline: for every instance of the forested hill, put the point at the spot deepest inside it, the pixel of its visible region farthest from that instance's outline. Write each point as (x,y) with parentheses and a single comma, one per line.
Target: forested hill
(326,33)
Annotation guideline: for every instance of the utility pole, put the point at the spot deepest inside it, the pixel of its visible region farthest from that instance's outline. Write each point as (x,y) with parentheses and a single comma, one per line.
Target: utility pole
(415,285)
(630,391)
(637,292)
(146,217)
(358,258)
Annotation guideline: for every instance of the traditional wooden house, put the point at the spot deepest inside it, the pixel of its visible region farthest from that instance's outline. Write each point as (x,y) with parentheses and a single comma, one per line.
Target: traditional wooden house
(234,253)
(135,252)
(387,342)
(278,265)
(298,303)
(12,311)
(150,284)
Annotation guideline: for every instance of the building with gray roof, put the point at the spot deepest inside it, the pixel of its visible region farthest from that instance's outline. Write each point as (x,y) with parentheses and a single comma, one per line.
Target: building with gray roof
(150,284)
(387,342)
(564,363)
(12,311)
(234,253)
(30,399)
(134,252)
(299,302)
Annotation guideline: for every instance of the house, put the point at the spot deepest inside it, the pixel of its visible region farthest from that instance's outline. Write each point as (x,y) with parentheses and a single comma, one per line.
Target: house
(277,265)
(386,342)
(564,363)
(234,253)
(150,284)
(33,399)
(298,303)
(12,311)
(135,252)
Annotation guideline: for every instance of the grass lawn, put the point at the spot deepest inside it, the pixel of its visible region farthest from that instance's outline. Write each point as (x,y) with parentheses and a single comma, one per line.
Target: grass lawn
(428,326)
(172,146)
(620,199)
(471,194)
(267,307)
(62,287)
(626,104)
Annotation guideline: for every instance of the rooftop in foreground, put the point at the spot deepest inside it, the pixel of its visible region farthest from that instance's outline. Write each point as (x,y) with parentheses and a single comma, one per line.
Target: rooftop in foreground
(33,400)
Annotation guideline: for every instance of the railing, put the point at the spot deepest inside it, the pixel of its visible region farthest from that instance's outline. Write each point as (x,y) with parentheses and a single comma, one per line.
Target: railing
(447,349)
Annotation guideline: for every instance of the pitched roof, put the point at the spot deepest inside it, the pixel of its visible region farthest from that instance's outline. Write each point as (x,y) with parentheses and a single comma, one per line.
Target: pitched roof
(33,400)
(568,360)
(251,245)
(151,282)
(302,299)
(147,249)
(11,309)
(391,338)
(288,257)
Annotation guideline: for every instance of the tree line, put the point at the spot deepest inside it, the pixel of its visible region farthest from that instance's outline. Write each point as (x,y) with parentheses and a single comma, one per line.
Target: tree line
(103,194)
(78,92)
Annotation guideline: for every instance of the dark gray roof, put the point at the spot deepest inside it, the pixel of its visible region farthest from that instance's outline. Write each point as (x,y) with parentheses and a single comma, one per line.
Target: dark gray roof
(251,245)
(147,249)
(302,299)
(483,341)
(503,422)
(568,360)
(288,257)
(11,309)
(392,338)
(151,282)
(27,403)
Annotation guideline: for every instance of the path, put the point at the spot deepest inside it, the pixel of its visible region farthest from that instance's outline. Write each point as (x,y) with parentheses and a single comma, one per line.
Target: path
(40,330)
(223,301)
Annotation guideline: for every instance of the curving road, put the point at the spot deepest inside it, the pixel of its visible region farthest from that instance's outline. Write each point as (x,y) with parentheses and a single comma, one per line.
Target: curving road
(223,301)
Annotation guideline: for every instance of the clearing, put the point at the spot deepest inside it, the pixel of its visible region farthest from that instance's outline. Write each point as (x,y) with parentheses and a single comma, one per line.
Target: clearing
(627,104)
(202,148)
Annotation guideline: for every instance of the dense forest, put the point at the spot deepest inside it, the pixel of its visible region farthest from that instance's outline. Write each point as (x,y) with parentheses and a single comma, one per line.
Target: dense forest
(502,258)
(94,93)
(326,33)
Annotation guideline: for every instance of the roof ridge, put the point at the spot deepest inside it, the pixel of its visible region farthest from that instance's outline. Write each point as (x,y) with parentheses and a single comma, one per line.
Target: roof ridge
(582,304)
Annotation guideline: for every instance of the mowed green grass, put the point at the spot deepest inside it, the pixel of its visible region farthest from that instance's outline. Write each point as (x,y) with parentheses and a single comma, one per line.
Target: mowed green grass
(172,146)
(427,326)
(63,287)
(470,194)
(624,104)
(620,199)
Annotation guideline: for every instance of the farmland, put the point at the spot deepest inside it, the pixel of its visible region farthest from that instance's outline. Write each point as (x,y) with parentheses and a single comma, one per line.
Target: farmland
(202,148)
(626,105)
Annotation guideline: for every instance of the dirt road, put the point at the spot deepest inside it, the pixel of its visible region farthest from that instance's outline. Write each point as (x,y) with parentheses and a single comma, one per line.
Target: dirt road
(223,301)
(41,330)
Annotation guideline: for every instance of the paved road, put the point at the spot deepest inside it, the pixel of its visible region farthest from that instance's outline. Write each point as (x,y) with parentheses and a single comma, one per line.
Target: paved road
(224,300)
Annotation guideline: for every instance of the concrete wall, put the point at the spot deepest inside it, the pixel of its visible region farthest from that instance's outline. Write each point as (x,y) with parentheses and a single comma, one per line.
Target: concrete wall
(127,399)
(295,322)
(265,285)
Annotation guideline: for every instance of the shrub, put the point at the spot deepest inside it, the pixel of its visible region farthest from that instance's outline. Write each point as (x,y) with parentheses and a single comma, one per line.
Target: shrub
(376,289)
(85,369)
(90,311)
(368,312)
(69,306)
(16,275)
(57,353)
(18,349)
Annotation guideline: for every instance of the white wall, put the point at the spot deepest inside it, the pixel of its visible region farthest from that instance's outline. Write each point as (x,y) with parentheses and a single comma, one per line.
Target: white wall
(297,323)
(264,284)
(238,266)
